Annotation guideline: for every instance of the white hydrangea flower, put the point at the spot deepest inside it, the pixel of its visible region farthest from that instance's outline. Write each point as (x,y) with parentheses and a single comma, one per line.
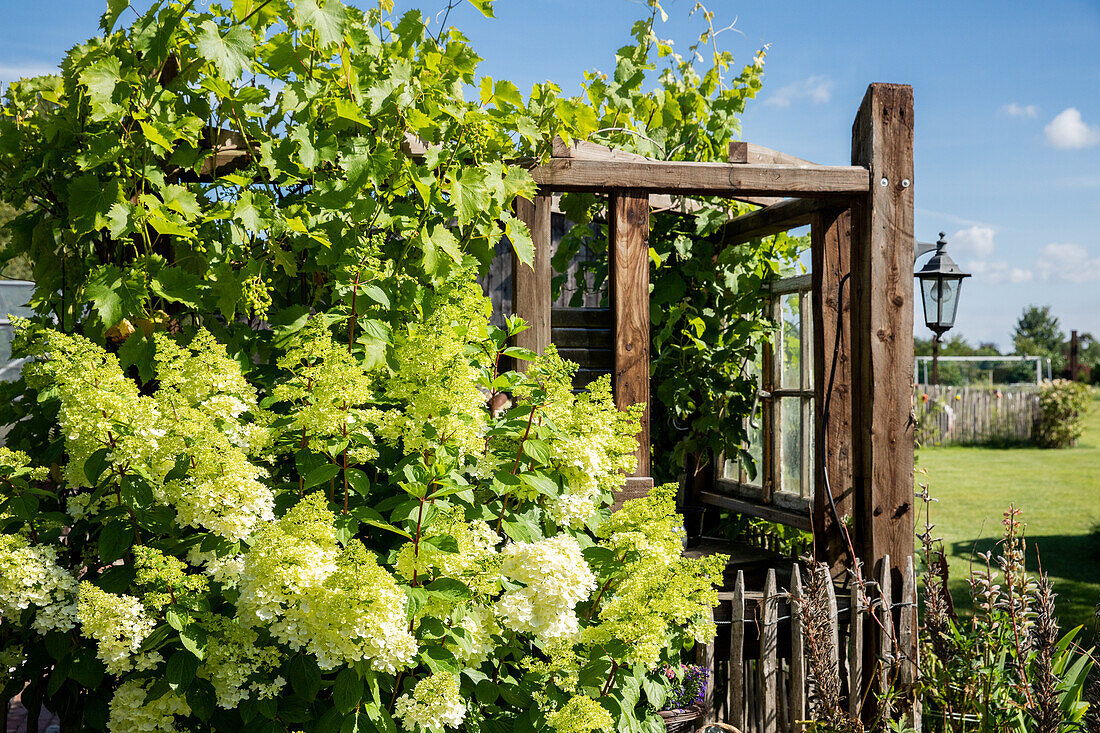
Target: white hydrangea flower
(30,576)
(130,713)
(435,703)
(119,625)
(556,577)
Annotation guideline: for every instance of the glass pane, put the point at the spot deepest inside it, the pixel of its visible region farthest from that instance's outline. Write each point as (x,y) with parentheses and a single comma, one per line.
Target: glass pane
(791,342)
(790,433)
(756,450)
(13,297)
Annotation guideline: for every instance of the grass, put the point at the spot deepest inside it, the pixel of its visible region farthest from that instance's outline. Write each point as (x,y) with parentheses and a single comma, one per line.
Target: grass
(1059,493)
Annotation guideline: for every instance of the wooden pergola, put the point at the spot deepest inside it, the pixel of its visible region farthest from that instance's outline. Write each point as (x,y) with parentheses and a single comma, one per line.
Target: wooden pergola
(861,221)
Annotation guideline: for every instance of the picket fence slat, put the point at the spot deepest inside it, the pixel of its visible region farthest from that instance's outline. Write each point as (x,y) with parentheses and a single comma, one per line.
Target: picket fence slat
(855,652)
(769,644)
(736,704)
(798,659)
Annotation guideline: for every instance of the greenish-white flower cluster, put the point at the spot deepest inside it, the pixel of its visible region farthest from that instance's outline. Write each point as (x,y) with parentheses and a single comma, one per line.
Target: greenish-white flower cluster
(555,579)
(119,625)
(337,604)
(31,578)
(435,704)
(132,712)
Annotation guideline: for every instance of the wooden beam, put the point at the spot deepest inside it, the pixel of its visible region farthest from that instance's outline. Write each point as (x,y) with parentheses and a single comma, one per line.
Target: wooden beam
(830,247)
(584,150)
(742,152)
(787,214)
(700,179)
(882,331)
(531,299)
(629,265)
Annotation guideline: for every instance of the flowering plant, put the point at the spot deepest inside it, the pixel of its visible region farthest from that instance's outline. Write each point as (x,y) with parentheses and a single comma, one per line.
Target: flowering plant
(365,545)
(689,686)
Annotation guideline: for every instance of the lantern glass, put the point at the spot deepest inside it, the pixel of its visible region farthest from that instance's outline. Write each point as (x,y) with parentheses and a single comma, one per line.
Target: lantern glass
(941,301)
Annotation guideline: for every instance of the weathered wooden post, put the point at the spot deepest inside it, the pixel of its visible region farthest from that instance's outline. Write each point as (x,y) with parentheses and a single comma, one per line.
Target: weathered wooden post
(628,216)
(831,245)
(531,283)
(882,335)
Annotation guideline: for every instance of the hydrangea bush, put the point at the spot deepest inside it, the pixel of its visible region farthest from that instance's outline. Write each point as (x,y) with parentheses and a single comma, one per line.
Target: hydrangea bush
(362,546)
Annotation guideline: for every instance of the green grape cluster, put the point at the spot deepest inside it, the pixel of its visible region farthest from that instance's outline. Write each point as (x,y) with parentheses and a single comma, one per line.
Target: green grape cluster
(256,296)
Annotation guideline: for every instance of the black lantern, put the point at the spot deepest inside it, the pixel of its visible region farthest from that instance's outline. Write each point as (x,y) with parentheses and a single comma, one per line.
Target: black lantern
(940,282)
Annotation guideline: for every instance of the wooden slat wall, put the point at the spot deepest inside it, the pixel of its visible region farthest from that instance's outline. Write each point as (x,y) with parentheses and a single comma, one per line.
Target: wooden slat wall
(975,415)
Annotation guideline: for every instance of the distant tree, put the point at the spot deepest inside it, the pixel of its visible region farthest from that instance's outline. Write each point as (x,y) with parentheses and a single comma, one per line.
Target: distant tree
(11,267)
(1038,333)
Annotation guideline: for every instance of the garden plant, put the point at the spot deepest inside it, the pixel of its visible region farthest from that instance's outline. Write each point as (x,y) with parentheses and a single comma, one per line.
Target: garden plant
(253,480)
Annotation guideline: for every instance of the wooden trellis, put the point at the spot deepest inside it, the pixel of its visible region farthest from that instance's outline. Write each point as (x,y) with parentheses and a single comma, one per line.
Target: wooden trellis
(861,222)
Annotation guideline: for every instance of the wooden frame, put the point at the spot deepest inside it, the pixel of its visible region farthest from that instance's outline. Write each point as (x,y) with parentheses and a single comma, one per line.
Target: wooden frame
(861,299)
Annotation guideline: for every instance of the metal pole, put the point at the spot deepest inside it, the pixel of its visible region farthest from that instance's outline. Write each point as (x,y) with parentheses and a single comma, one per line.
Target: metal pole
(936,361)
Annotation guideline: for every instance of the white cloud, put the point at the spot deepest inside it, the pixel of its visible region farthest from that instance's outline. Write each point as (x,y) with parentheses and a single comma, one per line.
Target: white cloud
(815,89)
(998,272)
(10,72)
(975,241)
(1066,261)
(1020,110)
(974,247)
(1069,131)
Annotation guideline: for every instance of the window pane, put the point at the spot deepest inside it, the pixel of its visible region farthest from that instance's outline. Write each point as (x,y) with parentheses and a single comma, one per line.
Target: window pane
(791,342)
(808,347)
(790,433)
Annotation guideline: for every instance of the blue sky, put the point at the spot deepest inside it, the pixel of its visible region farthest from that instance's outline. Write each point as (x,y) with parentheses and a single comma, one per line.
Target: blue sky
(1007,112)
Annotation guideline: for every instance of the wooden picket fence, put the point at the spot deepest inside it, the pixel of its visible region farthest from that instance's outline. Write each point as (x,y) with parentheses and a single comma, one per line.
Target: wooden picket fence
(975,415)
(760,671)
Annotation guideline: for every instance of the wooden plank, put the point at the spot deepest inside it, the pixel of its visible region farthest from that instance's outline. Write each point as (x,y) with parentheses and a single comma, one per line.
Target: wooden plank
(755,509)
(629,275)
(531,283)
(633,488)
(798,657)
(882,326)
(855,652)
(908,628)
(704,657)
(700,179)
(834,624)
(830,247)
(736,704)
(769,645)
(584,150)
(780,217)
(885,629)
(581,317)
(742,152)
(581,338)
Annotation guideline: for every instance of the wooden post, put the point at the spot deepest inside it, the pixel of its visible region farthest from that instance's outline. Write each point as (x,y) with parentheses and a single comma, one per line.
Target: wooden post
(769,644)
(830,235)
(735,707)
(531,284)
(882,327)
(798,657)
(628,215)
(882,340)
(1073,355)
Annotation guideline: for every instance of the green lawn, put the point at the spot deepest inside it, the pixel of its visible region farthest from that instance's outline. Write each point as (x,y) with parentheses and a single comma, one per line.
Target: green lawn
(1059,493)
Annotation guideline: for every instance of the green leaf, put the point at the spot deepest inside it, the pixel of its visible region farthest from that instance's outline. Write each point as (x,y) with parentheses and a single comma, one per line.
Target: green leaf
(114,540)
(520,237)
(157,134)
(177,286)
(320,475)
(304,676)
(180,670)
(537,450)
(101,78)
(348,690)
(95,465)
(110,17)
(449,589)
(116,295)
(193,639)
(90,202)
(470,196)
(201,698)
(229,53)
(325,18)
(485,6)
(358,481)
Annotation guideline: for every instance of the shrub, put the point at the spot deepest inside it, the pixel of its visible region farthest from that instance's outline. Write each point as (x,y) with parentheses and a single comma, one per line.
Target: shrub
(1062,407)
(364,546)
